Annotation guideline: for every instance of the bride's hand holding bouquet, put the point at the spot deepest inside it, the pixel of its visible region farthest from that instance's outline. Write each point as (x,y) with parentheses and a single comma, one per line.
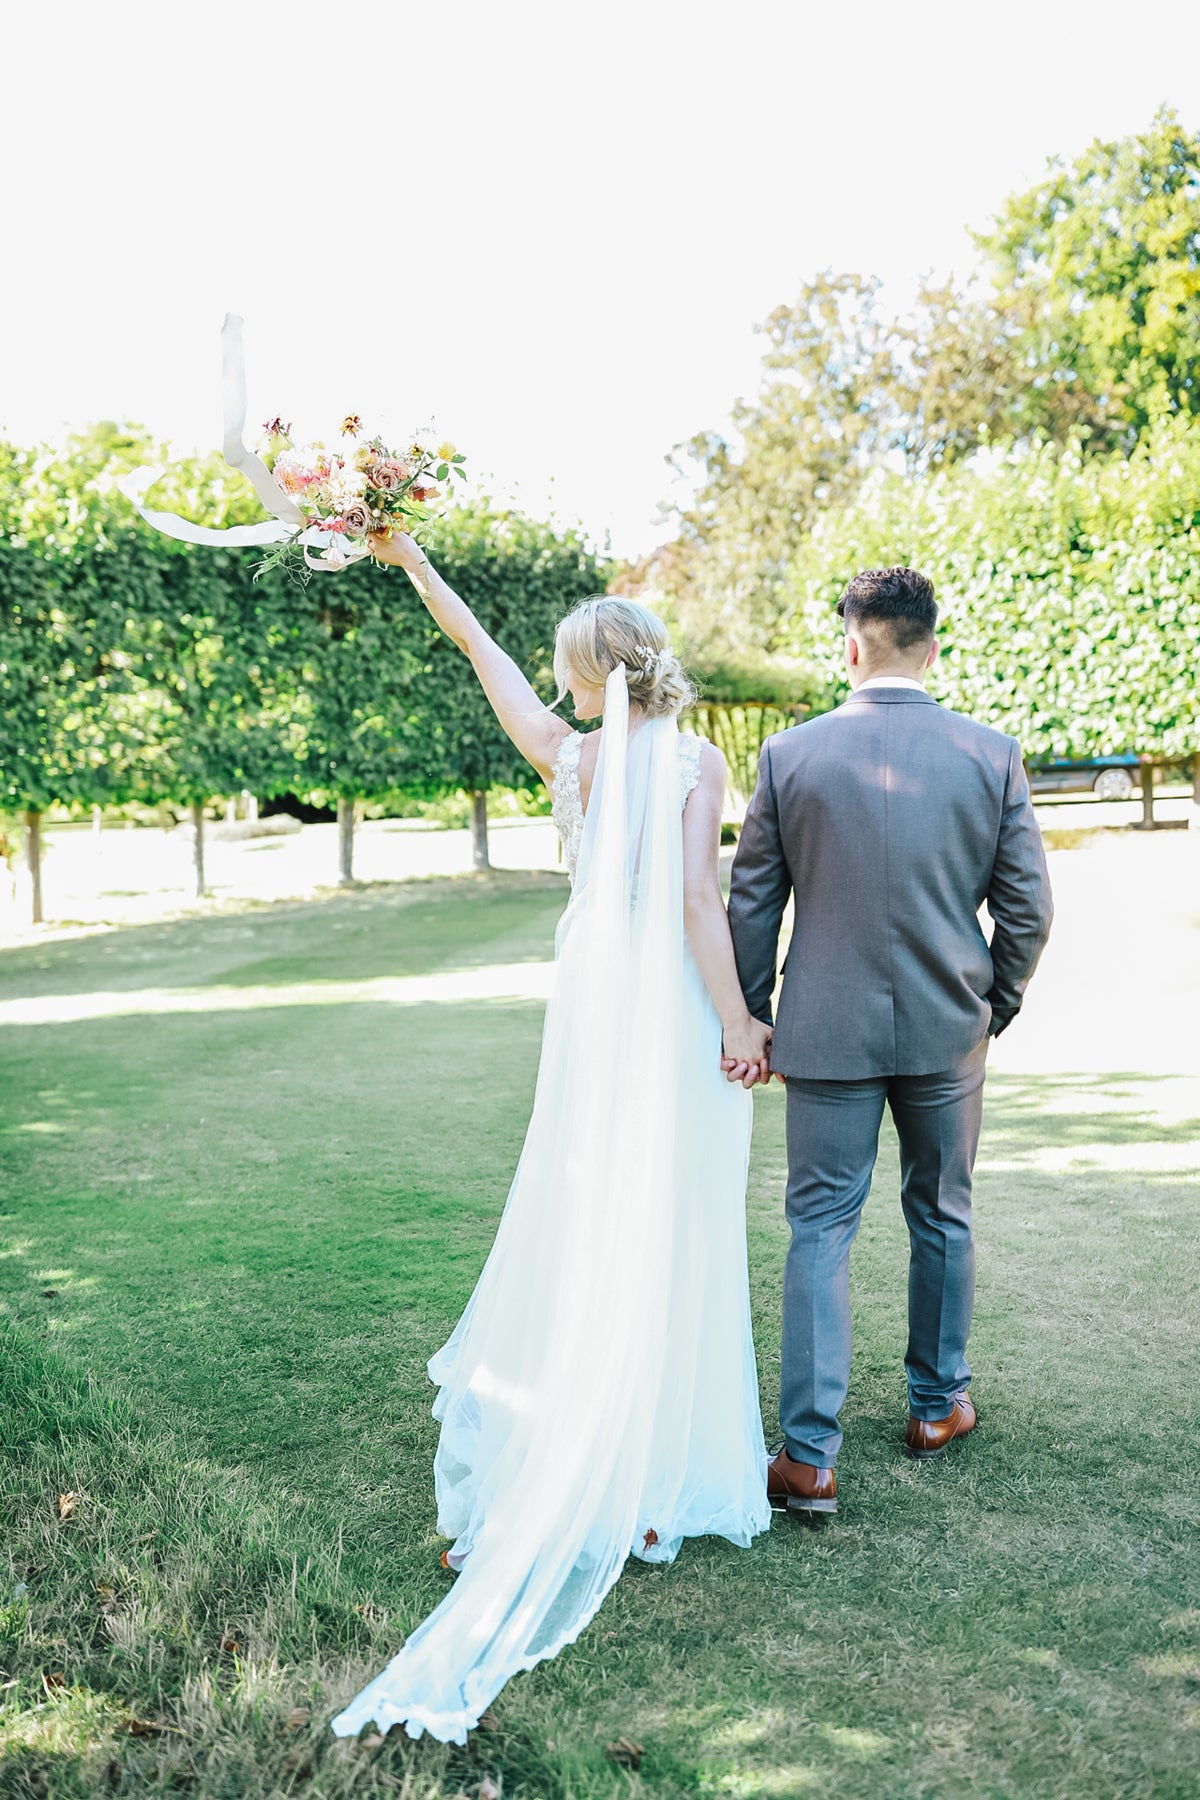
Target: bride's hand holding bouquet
(398,548)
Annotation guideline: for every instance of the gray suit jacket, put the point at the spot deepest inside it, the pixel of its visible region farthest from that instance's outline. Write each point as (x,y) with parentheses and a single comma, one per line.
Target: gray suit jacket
(892,820)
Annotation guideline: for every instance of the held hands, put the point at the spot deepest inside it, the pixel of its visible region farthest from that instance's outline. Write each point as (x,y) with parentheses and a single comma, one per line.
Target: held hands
(747,1052)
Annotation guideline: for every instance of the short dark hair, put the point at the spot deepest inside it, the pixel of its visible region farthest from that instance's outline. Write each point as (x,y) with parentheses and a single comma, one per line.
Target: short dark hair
(900,600)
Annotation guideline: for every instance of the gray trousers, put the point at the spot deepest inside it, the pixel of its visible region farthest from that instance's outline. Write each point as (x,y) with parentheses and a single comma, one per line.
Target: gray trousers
(833,1138)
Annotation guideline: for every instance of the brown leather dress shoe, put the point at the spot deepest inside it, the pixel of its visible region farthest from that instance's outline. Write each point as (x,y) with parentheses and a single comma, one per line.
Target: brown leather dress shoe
(799,1487)
(927,1438)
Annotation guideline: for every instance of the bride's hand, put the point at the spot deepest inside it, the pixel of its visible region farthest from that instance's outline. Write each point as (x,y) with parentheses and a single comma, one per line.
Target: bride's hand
(747,1052)
(399,548)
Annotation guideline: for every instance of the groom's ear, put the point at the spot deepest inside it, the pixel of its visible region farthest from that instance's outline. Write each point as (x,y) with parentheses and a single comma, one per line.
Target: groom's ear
(935,650)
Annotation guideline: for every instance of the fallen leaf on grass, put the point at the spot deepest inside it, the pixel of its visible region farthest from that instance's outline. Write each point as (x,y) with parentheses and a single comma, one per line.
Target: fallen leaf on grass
(372,1741)
(231,1644)
(298,1716)
(488,1721)
(627,1752)
(66,1505)
(49,1293)
(143,1727)
(53,1678)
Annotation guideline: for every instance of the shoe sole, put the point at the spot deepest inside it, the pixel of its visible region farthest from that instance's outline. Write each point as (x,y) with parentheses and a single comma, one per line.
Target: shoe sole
(803,1506)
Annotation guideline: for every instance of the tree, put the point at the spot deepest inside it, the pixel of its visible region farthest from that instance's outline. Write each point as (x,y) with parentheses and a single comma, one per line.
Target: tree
(957,380)
(65,668)
(1097,280)
(40,697)
(215,662)
(354,662)
(821,418)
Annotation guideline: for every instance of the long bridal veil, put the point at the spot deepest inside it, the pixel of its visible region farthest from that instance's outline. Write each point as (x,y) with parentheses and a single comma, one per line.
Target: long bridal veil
(598,1394)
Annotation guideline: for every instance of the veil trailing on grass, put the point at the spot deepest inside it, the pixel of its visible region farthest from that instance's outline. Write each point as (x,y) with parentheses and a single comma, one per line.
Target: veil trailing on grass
(598,1394)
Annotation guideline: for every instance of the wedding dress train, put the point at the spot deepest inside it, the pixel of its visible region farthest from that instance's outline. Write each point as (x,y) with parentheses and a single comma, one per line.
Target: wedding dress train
(599,1394)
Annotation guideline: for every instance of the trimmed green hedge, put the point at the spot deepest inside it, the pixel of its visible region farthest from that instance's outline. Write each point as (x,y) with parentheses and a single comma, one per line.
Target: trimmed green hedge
(1070,589)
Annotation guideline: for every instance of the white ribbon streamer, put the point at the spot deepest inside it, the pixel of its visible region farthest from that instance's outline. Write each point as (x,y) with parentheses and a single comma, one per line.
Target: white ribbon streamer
(287,521)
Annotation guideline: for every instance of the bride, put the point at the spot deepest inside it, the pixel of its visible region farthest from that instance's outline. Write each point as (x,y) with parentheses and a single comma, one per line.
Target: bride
(599,1394)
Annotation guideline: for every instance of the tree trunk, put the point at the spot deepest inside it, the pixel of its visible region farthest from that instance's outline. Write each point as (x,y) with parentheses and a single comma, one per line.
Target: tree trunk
(33,859)
(231,810)
(345,822)
(199,886)
(479,829)
(97,820)
(1147,819)
(251,804)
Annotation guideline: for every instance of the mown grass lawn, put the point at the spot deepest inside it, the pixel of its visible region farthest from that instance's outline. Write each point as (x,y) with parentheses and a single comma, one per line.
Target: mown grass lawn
(257,1223)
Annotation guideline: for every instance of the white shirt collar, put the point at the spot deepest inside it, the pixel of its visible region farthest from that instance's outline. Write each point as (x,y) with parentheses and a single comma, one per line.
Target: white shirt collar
(891,681)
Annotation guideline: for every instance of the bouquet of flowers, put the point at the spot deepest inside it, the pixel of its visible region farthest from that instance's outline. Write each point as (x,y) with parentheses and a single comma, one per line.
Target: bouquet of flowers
(358,487)
(323,502)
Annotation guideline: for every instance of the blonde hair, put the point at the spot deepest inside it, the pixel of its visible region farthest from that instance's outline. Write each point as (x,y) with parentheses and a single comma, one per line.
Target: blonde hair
(598,634)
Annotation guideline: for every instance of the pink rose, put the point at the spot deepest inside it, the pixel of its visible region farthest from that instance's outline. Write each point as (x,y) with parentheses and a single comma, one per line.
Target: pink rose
(387,475)
(357,520)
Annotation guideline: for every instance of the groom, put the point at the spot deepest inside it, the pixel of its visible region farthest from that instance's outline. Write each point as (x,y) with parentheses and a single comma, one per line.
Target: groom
(890,820)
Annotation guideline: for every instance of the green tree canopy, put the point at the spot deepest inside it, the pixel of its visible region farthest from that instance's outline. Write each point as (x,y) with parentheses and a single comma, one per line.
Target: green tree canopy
(1097,282)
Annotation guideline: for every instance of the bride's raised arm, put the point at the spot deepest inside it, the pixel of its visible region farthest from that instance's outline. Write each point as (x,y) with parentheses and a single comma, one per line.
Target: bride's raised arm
(528,721)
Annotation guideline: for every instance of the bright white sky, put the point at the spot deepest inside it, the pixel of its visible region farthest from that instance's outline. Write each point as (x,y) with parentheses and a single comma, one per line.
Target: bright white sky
(552,226)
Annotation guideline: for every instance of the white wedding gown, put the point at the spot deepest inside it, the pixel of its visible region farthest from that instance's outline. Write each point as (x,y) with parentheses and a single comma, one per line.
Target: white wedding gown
(599,1394)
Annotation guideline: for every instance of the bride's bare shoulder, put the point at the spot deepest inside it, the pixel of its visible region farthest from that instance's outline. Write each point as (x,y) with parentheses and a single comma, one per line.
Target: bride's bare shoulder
(712,764)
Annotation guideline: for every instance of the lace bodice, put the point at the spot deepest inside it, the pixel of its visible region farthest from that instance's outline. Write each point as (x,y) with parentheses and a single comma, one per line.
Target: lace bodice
(567,801)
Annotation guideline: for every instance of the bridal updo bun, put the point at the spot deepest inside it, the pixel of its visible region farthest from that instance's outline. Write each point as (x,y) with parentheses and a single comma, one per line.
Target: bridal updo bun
(598,634)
